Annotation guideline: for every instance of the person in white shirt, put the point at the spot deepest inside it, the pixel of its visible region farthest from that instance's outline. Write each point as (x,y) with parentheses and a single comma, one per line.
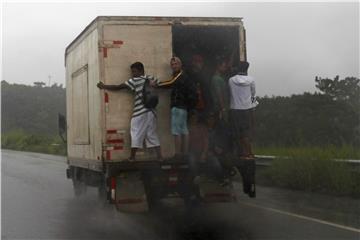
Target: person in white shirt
(242,105)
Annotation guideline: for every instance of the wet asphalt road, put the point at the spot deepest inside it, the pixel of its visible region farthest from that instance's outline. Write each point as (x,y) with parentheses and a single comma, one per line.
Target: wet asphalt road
(38,203)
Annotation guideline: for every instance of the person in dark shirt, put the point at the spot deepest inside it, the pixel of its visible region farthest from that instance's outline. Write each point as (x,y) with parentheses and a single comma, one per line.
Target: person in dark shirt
(181,88)
(198,75)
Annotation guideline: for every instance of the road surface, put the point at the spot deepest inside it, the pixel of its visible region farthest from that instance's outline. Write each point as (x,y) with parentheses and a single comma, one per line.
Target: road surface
(38,203)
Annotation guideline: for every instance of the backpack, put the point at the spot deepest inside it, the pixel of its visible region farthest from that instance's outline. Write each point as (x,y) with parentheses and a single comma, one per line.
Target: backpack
(150,97)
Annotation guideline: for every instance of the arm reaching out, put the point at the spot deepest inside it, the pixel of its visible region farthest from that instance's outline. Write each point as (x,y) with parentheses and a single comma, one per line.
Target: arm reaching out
(101,85)
(169,83)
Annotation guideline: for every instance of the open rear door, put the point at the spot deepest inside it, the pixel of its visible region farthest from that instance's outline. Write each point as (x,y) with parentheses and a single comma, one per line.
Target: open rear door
(121,46)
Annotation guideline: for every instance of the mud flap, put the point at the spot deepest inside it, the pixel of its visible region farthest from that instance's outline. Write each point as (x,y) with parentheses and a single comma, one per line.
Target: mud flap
(130,193)
(211,191)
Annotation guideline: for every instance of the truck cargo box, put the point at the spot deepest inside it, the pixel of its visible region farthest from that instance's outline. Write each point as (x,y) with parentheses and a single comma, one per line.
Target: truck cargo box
(98,121)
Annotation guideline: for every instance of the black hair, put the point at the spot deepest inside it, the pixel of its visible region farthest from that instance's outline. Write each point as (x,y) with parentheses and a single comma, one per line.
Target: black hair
(219,60)
(138,65)
(243,66)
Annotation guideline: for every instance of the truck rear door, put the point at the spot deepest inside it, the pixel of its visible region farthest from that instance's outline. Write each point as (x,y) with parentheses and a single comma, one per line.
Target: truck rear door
(121,46)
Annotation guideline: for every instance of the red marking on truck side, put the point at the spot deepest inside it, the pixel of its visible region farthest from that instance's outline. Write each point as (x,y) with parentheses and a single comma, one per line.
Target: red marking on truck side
(113,183)
(118,42)
(115,140)
(111,131)
(106,97)
(130,200)
(108,155)
(118,147)
(105,52)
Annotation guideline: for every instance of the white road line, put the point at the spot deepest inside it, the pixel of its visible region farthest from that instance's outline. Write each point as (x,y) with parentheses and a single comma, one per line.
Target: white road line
(302,217)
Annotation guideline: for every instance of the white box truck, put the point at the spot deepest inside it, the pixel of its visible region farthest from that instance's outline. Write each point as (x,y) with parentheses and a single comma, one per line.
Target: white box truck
(98,121)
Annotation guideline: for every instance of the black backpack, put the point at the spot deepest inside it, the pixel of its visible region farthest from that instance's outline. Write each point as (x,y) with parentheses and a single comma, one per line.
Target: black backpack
(150,97)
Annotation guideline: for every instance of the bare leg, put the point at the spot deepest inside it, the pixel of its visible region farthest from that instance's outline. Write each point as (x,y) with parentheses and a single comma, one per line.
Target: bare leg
(158,153)
(185,144)
(133,153)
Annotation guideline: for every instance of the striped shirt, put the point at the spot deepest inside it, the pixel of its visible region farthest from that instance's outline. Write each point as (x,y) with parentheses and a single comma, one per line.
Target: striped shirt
(136,85)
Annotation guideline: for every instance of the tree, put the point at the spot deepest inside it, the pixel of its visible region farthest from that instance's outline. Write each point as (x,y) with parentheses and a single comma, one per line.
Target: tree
(39,84)
(347,89)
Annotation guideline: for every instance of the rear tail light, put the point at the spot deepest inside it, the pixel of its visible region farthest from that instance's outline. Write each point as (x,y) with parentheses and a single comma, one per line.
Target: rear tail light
(173,178)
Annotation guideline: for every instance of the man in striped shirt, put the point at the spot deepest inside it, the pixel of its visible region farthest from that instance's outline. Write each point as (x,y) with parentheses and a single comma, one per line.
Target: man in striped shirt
(143,121)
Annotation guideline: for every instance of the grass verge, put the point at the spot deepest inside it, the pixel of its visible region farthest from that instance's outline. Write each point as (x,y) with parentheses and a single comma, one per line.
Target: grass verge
(313,170)
(22,141)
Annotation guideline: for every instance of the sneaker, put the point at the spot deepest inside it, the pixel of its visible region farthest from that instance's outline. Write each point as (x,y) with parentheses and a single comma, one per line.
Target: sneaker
(252,192)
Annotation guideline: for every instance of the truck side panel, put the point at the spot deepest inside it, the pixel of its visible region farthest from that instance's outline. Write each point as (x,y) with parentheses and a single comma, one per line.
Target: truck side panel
(123,45)
(83,104)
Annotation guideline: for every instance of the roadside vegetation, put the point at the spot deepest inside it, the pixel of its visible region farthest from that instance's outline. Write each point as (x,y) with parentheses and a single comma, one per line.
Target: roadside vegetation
(29,116)
(312,171)
(21,141)
(306,133)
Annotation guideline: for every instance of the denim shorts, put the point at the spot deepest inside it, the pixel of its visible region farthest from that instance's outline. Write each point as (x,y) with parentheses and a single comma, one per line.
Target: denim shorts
(179,121)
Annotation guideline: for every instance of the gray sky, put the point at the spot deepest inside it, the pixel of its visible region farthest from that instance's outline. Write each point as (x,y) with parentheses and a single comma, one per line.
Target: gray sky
(288,44)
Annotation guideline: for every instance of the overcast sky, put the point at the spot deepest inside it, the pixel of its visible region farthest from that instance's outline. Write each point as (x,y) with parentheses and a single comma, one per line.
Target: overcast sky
(288,44)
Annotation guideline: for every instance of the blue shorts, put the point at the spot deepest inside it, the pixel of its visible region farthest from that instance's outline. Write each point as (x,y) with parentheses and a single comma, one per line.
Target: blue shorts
(179,121)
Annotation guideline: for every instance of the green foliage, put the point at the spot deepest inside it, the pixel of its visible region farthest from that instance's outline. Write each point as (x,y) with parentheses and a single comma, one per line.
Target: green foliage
(311,130)
(347,89)
(22,141)
(31,109)
(29,117)
(311,172)
(319,119)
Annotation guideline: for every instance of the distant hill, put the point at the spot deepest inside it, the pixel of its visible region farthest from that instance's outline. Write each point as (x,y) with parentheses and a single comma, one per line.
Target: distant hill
(33,109)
